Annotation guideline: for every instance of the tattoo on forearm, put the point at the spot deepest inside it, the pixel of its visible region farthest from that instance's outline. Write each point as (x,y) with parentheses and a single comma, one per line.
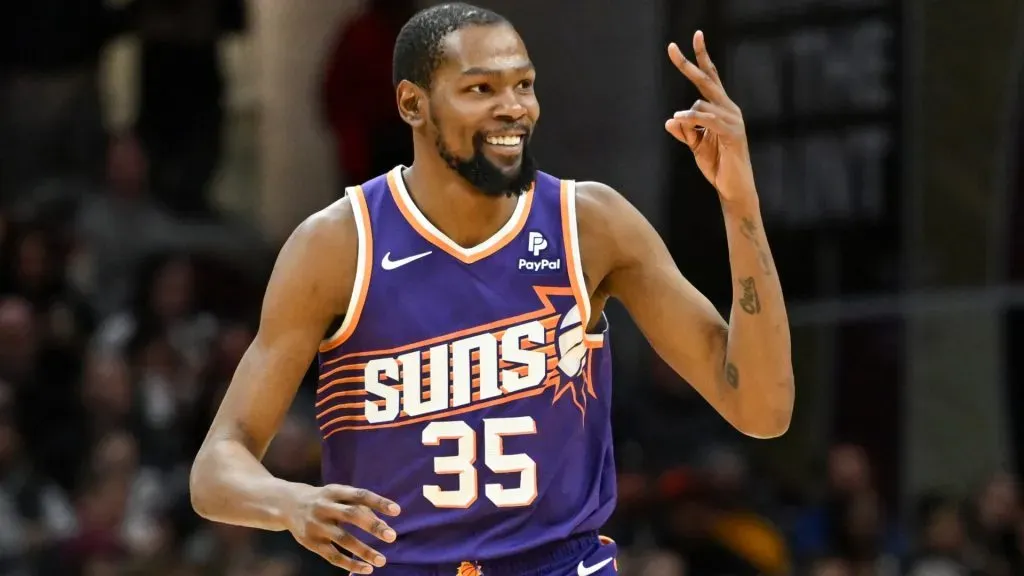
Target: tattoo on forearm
(766,262)
(732,375)
(749,231)
(750,302)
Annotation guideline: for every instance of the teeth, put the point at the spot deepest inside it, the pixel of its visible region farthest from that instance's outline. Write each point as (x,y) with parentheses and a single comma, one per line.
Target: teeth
(504,140)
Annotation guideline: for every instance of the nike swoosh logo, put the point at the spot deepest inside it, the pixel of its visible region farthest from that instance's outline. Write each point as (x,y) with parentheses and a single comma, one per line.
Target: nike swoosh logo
(388,264)
(588,570)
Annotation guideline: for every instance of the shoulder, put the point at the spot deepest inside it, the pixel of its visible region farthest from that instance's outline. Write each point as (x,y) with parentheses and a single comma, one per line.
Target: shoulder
(605,223)
(331,228)
(320,256)
(602,212)
(597,203)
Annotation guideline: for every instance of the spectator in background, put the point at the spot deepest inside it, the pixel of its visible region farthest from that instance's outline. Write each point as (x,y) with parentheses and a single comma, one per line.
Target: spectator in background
(104,265)
(843,517)
(165,306)
(106,405)
(860,535)
(34,512)
(358,96)
(711,524)
(122,210)
(995,516)
(942,539)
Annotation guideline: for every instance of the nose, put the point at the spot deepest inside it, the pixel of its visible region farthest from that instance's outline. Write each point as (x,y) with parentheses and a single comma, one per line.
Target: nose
(509,107)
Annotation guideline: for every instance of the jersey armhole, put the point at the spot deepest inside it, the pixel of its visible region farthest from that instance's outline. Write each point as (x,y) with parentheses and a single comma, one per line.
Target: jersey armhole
(364,265)
(577,280)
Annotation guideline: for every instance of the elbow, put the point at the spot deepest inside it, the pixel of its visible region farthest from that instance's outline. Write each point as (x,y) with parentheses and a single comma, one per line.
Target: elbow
(772,415)
(196,487)
(777,427)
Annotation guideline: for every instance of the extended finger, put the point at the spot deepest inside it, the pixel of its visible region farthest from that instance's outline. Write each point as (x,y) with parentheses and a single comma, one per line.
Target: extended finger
(363,518)
(350,543)
(328,552)
(350,495)
(700,48)
(708,87)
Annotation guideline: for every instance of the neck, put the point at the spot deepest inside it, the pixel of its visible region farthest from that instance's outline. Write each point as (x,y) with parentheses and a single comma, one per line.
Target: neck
(454,206)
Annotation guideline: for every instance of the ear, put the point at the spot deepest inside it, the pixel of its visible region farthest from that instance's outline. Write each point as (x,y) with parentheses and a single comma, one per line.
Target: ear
(412,103)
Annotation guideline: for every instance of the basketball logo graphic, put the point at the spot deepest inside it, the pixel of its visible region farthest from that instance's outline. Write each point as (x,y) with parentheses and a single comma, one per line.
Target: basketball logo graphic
(572,353)
(469,569)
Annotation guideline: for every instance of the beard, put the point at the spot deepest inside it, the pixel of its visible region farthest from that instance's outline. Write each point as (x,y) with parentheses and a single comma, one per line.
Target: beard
(484,175)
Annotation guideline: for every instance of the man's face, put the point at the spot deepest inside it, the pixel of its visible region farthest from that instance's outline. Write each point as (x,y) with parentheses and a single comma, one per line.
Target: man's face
(482,109)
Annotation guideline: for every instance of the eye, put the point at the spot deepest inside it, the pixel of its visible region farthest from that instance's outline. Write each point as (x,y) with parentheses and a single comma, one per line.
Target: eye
(480,89)
(525,85)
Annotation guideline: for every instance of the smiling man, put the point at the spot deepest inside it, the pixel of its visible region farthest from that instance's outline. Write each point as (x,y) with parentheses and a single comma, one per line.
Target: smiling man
(457,308)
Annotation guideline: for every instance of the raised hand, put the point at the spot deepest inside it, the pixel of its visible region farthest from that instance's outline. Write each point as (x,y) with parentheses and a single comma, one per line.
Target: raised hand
(713,126)
(316,517)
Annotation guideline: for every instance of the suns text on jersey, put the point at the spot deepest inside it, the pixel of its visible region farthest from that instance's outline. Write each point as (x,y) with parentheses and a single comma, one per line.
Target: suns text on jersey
(479,368)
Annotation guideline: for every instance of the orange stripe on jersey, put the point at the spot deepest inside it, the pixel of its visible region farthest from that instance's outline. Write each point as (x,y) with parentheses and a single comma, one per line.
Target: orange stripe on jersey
(466,255)
(579,290)
(364,268)
(443,414)
(544,294)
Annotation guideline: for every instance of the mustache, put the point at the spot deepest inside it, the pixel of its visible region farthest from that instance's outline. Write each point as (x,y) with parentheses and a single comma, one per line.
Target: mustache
(526,129)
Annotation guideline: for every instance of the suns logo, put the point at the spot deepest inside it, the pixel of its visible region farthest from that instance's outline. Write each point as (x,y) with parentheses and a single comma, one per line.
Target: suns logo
(572,362)
(572,353)
(544,351)
(486,367)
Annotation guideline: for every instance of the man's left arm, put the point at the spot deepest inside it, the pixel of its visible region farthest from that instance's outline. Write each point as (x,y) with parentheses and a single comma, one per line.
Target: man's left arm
(742,368)
(758,351)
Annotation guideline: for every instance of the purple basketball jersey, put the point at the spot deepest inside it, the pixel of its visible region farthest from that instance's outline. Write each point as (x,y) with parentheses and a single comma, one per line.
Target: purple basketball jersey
(462,384)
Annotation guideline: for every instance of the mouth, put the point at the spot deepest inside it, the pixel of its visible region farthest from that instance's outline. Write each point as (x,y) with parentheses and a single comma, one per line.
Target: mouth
(505,141)
(508,146)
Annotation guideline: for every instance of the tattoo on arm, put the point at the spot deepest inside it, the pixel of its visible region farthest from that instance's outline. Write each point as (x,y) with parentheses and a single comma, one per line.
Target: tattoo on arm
(749,231)
(732,375)
(750,302)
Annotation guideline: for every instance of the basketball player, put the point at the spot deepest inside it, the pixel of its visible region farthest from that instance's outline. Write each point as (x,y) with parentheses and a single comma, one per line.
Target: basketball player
(456,305)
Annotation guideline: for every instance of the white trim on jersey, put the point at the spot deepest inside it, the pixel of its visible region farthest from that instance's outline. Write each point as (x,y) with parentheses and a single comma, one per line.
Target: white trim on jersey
(574,246)
(359,285)
(422,220)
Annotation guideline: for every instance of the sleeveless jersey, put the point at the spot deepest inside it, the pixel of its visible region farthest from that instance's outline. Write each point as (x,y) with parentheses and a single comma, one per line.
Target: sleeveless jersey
(462,383)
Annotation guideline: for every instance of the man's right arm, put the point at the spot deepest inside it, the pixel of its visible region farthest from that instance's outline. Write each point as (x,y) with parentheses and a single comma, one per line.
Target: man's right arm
(309,287)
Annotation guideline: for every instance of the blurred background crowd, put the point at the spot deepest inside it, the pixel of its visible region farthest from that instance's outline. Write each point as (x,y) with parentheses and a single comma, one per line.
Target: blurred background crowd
(155,153)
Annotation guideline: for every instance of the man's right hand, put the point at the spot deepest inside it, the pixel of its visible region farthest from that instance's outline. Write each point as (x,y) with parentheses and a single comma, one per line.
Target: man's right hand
(315,517)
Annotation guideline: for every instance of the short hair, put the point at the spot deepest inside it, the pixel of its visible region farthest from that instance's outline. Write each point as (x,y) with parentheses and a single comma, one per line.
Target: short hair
(419,48)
